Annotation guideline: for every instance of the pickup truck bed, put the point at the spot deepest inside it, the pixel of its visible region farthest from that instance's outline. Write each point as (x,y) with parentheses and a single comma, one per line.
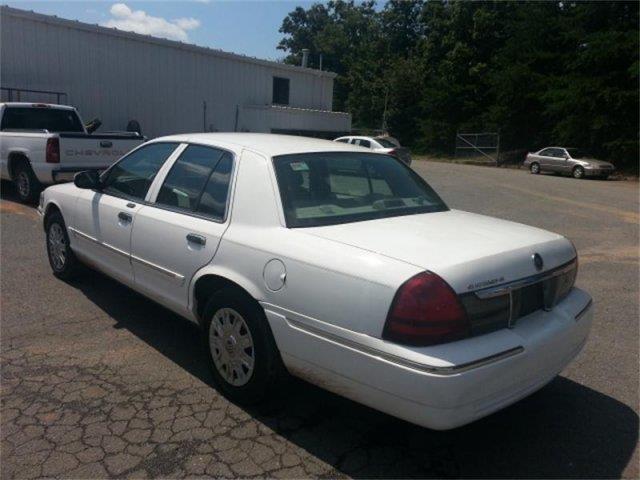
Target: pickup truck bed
(33,156)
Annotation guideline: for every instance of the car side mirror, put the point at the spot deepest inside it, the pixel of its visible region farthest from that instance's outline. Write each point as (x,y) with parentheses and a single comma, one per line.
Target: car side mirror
(88,180)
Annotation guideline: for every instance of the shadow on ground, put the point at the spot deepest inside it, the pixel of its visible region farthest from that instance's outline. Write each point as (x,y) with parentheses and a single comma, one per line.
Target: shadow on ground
(565,430)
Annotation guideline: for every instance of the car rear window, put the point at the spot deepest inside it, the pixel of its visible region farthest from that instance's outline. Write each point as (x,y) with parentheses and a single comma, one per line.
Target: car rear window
(54,120)
(385,143)
(340,187)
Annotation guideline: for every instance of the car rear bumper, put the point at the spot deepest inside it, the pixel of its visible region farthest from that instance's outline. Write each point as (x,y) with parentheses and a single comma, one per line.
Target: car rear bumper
(48,173)
(444,386)
(66,174)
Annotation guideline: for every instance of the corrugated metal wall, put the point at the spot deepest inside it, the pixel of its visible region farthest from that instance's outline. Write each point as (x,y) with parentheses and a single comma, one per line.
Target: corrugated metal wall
(254,118)
(119,76)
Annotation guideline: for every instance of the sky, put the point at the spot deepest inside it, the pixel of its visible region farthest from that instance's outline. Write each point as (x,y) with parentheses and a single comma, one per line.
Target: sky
(239,26)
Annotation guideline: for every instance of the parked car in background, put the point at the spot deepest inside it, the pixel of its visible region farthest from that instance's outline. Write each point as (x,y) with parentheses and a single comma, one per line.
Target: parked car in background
(571,161)
(342,266)
(41,144)
(387,145)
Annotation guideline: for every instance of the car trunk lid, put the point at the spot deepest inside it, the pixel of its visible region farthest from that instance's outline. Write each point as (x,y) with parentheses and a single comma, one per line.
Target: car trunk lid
(469,251)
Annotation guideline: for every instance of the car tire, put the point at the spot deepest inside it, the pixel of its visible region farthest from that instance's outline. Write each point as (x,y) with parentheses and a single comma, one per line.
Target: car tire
(578,172)
(62,260)
(535,168)
(245,361)
(26,183)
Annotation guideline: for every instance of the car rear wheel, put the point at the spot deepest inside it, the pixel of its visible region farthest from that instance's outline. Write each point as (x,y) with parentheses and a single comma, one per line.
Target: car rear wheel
(245,360)
(535,168)
(27,185)
(64,263)
(578,172)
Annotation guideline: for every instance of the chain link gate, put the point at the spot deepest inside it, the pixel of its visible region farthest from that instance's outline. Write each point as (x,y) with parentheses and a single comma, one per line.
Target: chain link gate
(485,145)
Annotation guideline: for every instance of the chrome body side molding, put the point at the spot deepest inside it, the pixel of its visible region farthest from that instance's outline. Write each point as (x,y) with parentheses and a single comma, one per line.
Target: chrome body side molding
(113,249)
(432,369)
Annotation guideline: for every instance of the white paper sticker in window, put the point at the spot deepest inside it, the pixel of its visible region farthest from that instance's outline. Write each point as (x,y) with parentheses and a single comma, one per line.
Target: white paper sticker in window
(299,166)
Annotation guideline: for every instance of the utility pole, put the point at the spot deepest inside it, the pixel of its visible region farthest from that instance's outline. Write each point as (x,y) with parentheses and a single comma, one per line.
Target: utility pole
(384,113)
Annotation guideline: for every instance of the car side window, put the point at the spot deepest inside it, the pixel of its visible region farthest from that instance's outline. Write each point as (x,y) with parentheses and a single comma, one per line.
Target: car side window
(213,202)
(365,143)
(132,176)
(198,182)
(547,152)
(343,140)
(556,153)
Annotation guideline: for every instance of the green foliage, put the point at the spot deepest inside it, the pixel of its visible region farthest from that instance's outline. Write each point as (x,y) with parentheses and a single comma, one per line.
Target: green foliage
(541,73)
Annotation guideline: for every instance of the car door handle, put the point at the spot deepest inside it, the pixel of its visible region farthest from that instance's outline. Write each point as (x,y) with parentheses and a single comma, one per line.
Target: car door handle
(125,217)
(197,239)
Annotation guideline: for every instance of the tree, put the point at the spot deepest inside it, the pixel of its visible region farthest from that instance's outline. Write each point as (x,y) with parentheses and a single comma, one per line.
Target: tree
(539,72)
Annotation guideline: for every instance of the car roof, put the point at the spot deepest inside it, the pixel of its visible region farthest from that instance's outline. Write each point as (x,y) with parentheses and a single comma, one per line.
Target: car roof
(266,143)
(35,105)
(361,137)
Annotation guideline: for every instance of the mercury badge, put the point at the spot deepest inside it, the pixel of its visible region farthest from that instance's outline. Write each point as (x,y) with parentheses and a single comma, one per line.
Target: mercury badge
(537,261)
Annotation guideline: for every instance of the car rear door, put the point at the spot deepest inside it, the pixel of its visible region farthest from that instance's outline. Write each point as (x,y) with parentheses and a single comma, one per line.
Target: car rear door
(556,160)
(104,219)
(546,159)
(179,230)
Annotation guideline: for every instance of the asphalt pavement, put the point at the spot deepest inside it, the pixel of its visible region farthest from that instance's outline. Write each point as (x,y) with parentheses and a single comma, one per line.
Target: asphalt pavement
(96,381)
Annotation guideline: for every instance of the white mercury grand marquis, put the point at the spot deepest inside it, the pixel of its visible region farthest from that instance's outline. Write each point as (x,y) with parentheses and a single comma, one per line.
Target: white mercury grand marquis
(336,264)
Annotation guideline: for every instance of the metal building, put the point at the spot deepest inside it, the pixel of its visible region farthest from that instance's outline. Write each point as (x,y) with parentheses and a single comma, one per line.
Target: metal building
(167,86)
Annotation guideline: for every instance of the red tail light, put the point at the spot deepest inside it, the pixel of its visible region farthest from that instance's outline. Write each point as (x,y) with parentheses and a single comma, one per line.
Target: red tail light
(53,150)
(393,153)
(426,311)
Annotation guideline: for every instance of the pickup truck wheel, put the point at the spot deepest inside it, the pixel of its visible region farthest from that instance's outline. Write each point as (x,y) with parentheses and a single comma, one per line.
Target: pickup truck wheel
(27,185)
(61,258)
(245,360)
(535,168)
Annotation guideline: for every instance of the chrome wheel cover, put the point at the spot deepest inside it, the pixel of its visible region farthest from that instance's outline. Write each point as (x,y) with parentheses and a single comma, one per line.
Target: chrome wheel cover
(578,173)
(231,346)
(22,182)
(535,168)
(57,246)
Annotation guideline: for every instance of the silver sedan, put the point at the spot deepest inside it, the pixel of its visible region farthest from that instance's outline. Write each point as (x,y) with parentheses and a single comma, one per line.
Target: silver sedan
(569,161)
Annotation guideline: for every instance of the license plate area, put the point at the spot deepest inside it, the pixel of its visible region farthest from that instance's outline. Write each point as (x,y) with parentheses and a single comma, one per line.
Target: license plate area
(501,307)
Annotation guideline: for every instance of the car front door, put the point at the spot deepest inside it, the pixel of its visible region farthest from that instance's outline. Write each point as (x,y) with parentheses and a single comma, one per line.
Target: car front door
(565,162)
(104,219)
(179,230)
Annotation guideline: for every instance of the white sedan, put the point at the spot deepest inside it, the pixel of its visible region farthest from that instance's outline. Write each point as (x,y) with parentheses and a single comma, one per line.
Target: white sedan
(340,266)
(388,145)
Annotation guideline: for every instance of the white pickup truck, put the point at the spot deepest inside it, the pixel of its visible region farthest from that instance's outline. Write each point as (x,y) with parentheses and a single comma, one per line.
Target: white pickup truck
(41,144)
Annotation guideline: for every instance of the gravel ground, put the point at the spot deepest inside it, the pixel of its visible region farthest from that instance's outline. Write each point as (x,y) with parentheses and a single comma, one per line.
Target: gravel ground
(99,382)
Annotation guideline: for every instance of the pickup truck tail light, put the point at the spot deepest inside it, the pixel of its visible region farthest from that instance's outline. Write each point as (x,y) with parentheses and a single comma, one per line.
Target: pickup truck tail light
(53,150)
(426,311)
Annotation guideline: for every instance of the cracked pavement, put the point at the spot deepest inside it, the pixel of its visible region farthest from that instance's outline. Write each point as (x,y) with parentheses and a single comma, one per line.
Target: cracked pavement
(98,382)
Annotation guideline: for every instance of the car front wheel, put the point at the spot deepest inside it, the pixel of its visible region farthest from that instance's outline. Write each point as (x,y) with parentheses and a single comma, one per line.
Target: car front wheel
(245,360)
(578,172)
(535,168)
(61,258)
